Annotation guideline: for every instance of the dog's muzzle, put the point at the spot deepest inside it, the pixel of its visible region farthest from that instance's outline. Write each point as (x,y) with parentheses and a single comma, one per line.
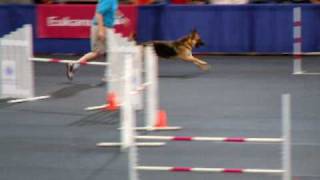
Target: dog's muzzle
(199,43)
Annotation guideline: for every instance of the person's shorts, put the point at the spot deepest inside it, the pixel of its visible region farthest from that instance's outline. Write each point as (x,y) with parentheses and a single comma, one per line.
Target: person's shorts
(96,44)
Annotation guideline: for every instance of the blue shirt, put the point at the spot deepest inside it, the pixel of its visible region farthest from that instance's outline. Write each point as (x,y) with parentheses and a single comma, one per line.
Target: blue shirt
(108,9)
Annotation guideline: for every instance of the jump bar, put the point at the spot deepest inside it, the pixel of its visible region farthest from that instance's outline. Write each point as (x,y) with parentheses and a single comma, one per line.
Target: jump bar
(67,61)
(215,139)
(209,170)
(141,144)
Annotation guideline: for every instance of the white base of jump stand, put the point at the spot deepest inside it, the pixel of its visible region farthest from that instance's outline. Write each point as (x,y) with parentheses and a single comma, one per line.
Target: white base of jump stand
(100,107)
(141,144)
(306,73)
(29,99)
(94,108)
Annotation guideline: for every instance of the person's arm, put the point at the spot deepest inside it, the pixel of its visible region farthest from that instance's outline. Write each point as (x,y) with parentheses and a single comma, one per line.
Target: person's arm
(101,28)
(102,7)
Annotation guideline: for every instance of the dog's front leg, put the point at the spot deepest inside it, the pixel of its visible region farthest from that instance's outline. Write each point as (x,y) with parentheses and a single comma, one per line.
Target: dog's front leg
(200,63)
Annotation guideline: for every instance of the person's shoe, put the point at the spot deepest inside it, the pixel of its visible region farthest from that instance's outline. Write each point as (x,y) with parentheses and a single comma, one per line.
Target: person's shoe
(103,80)
(70,71)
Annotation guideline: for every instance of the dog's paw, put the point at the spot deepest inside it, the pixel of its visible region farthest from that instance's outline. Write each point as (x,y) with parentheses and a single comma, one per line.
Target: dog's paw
(205,67)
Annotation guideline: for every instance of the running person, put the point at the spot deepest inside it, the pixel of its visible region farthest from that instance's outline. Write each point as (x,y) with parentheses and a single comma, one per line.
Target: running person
(103,21)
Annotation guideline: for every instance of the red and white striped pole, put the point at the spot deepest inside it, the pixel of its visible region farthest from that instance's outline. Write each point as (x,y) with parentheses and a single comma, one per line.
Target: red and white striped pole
(213,139)
(297,41)
(209,170)
(65,61)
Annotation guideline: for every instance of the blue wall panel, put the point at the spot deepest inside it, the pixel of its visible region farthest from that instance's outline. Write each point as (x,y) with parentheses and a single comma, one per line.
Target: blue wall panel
(239,28)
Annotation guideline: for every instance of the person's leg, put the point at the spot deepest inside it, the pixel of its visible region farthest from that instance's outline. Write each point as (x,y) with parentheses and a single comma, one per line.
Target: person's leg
(98,49)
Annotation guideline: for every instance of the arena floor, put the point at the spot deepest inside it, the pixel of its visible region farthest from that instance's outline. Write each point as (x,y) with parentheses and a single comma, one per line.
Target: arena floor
(55,139)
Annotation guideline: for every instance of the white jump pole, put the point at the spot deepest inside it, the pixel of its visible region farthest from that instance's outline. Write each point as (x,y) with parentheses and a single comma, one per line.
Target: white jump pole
(152,104)
(129,119)
(297,41)
(297,44)
(127,114)
(286,127)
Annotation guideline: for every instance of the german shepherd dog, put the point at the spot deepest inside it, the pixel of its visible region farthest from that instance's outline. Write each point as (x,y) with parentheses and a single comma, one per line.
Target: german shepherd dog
(181,48)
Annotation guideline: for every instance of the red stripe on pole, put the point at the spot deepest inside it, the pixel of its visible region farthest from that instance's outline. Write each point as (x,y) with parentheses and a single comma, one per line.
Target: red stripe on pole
(235,139)
(298,40)
(179,169)
(297,56)
(297,23)
(182,138)
(55,60)
(233,171)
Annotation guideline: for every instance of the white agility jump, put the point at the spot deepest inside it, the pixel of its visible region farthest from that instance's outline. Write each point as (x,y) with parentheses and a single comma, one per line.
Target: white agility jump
(16,67)
(285,141)
(297,45)
(17,76)
(149,88)
(127,118)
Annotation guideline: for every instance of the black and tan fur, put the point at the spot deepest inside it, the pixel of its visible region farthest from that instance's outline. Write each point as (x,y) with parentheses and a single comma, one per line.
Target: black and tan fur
(181,48)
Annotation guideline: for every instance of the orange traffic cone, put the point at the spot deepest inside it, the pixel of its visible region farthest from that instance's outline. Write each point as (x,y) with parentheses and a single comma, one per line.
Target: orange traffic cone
(162,120)
(112,104)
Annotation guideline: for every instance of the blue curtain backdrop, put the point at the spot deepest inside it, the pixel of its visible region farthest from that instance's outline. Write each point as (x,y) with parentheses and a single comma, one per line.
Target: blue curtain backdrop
(265,28)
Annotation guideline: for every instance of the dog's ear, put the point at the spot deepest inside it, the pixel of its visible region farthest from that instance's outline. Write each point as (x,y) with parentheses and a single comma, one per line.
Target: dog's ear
(194,30)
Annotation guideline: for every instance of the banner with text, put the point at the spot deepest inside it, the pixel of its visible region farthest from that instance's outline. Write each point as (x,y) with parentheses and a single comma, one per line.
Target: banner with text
(74,21)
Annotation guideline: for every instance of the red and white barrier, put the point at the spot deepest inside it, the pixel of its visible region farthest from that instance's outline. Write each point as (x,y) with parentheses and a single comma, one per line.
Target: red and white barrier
(65,61)
(209,170)
(213,139)
(297,44)
(285,171)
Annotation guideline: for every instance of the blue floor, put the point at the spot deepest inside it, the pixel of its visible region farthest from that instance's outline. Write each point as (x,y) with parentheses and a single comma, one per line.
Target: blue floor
(241,96)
